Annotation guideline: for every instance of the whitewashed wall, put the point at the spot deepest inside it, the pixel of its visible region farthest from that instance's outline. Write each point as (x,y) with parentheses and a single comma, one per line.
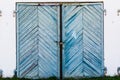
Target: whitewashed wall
(8,36)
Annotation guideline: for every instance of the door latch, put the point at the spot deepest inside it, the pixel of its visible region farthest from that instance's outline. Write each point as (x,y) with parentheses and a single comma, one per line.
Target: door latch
(61,43)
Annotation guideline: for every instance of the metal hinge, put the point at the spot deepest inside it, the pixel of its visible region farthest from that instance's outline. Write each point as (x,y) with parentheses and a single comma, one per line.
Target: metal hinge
(118,12)
(0,13)
(105,12)
(14,13)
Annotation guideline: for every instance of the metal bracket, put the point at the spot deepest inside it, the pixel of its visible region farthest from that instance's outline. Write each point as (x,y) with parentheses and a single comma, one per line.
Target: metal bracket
(0,13)
(118,71)
(105,71)
(118,12)
(105,12)
(14,13)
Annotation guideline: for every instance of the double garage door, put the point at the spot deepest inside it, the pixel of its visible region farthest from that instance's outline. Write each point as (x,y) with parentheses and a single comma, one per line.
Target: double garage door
(56,39)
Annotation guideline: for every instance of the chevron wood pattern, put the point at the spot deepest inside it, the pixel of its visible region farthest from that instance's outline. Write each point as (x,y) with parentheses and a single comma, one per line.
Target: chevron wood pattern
(93,40)
(73,39)
(83,38)
(37,34)
(48,36)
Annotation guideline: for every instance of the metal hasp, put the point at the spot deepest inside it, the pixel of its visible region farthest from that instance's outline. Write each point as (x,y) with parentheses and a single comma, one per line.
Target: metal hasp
(63,39)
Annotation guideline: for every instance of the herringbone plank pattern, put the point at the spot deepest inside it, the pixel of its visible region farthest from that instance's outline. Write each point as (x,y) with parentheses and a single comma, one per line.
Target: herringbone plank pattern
(83,51)
(73,41)
(38,37)
(48,35)
(37,34)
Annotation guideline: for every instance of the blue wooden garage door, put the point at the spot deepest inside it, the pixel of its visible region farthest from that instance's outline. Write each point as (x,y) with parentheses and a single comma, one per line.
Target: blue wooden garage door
(83,40)
(37,37)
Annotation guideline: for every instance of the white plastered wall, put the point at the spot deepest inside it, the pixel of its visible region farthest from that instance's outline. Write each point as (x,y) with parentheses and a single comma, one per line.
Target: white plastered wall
(8,35)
